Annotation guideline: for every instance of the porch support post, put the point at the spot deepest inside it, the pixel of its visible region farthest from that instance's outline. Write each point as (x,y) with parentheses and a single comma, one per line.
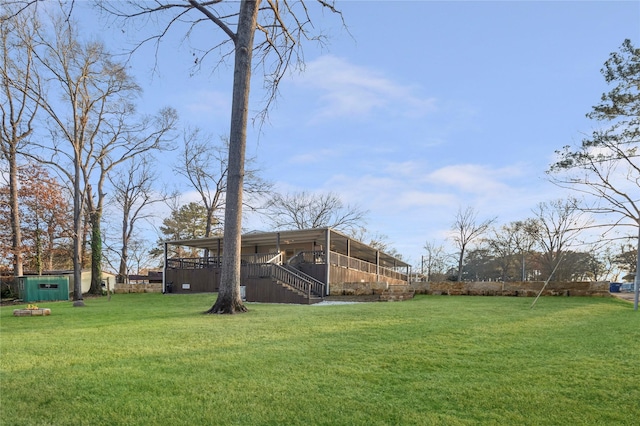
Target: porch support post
(218,259)
(377,265)
(278,245)
(348,252)
(164,270)
(327,255)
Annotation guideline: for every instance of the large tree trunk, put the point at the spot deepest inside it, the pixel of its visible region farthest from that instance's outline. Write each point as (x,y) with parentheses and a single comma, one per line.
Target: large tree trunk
(77,231)
(16,240)
(122,269)
(460,263)
(96,254)
(637,279)
(229,300)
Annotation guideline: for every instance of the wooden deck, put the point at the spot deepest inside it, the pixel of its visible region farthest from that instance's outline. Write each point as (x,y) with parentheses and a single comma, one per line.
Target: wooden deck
(303,279)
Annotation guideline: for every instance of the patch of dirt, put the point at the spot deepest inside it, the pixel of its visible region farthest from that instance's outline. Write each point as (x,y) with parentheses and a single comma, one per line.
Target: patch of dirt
(10,302)
(363,298)
(624,296)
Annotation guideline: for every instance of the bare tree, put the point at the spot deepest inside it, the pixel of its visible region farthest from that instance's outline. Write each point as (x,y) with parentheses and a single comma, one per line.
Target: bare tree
(133,194)
(16,8)
(512,243)
(17,106)
(626,260)
(92,123)
(524,241)
(377,240)
(600,264)
(281,26)
(76,69)
(557,224)
(140,256)
(606,165)
(465,229)
(434,261)
(502,246)
(123,139)
(303,210)
(205,165)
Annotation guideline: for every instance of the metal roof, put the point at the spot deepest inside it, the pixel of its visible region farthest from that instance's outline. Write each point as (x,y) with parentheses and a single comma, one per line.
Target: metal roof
(338,242)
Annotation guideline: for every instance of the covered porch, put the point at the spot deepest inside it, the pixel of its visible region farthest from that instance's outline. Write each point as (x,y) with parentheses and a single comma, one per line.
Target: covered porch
(315,262)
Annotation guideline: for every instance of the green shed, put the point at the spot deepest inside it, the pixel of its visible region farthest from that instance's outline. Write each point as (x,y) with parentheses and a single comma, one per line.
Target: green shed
(35,288)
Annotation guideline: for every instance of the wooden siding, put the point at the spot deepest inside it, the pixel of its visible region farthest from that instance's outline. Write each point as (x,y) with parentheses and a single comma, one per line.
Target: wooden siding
(208,279)
(256,289)
(319,272)
(205,280)
(266,290)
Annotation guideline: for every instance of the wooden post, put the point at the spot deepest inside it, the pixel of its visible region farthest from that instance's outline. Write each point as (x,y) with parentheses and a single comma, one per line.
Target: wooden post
(164,270)
(348,253)
(327,255)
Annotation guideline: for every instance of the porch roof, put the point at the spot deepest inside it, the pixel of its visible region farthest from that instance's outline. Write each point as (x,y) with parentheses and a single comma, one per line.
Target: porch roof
(338,242)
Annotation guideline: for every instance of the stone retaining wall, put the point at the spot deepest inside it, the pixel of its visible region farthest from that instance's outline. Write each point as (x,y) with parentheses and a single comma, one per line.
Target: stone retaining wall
(358,288)
(138,288)
(31,312)
(482,288)
(527,288)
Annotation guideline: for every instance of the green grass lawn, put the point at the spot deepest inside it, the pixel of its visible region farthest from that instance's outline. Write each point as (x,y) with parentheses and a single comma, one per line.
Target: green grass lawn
(149,359)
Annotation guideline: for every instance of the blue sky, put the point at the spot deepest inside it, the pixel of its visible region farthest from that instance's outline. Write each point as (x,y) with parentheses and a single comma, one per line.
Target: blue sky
(422,107)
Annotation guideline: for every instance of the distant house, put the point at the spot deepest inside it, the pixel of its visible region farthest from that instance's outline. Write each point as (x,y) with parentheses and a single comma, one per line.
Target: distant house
(300,266)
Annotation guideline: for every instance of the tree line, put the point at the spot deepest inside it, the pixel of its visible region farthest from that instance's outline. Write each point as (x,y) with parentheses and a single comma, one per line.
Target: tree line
(75,149)
(603,173)
(69,107)
(552,243)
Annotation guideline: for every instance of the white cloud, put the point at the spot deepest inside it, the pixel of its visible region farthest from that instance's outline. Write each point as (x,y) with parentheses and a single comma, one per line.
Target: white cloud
(415,199)
(206,102)
(473,178)
(349,90)
(313,156)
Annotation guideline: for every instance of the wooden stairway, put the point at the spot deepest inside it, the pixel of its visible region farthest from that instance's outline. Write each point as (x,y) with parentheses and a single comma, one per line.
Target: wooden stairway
(273,283)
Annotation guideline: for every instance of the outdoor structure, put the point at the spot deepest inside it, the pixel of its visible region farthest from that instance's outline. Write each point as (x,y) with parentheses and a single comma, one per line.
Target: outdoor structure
(36,288)
(300,266)
(108,279)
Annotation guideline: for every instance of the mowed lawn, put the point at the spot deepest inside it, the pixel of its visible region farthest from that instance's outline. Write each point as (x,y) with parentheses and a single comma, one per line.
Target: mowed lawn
(152,359)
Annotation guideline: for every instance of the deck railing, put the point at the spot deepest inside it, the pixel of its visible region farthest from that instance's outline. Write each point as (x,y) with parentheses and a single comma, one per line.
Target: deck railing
(364,266)
(287,275)
(258,260)
(313,257)
(216,261)
(318,257)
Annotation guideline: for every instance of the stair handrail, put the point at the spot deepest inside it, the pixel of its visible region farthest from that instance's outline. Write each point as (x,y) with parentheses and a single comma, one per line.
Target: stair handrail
(298,280)
(303,275)
(276,260)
